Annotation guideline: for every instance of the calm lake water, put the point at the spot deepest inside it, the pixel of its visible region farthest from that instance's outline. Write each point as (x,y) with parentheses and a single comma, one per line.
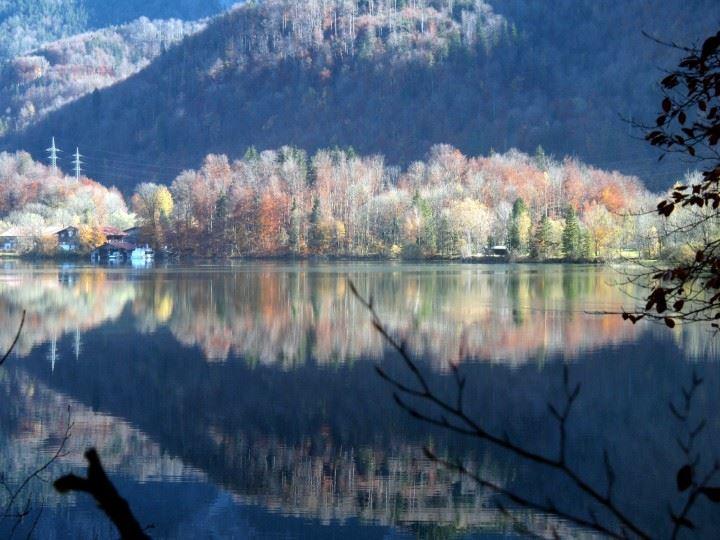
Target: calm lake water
(242,402)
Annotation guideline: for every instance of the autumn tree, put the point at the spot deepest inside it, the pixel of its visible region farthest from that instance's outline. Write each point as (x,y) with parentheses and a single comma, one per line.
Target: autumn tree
(520,227)
(153,205)
(602,230)
(90,237)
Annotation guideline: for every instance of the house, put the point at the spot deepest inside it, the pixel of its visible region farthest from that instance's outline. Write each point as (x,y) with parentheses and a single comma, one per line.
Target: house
(113,234)
(132,235)
(112,250)
(28,238)
(68,239)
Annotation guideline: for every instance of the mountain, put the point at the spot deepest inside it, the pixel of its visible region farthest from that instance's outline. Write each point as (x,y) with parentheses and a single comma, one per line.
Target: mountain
(102,13)
(26,25)
(391,77)
(59,72)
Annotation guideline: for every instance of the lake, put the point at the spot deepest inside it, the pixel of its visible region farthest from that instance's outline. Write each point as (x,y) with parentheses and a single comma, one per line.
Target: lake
(241,401)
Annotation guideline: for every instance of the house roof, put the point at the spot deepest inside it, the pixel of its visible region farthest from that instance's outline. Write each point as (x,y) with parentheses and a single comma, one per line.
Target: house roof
(113,231)
(119,244)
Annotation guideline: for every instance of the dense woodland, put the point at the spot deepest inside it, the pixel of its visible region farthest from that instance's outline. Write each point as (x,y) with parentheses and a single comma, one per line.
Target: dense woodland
(28,24)
(47,78)
(490,76)
(33,196)
(338,203)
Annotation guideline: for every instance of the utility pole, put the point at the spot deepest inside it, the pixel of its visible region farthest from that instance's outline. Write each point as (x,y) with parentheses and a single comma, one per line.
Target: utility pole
(53,150)
(77,163)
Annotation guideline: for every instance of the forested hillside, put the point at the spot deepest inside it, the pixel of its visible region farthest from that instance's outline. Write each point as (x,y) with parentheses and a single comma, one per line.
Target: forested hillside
(391,77)
(27,24)
(105,13)
(47,78)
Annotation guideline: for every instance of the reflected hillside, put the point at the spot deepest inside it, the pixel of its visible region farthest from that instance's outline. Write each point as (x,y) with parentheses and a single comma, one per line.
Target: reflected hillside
(34,427)
(316,478)
(291,315)
(58,302)
(329,443)
(286,317)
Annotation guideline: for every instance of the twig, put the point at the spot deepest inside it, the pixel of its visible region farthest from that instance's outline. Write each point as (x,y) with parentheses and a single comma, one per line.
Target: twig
(465,425)
(14,341)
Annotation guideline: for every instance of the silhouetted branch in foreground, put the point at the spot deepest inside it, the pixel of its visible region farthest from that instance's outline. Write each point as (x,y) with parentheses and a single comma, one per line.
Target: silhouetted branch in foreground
(104,492)
(688,477)
(15,340)
(451,415)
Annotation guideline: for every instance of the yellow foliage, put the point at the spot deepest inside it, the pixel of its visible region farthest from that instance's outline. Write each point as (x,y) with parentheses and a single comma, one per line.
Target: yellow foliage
(163,202)
(91,237)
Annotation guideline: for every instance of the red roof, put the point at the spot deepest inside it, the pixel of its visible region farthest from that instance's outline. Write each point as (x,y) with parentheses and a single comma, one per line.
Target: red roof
(113,231)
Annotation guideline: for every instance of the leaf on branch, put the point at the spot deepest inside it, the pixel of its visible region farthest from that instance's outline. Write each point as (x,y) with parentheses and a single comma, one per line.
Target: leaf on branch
(682,117)
(712,493)
(710,46)
(671,81)
(684,477)
(678,305)
(666,104)
(665,208)
(670,323)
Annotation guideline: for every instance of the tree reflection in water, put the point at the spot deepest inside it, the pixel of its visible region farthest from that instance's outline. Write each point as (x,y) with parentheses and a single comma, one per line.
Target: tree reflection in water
(291,315)
(256,379)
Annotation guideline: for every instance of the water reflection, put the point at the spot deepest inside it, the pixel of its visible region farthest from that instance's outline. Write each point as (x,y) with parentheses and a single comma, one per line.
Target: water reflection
(291,315)
(237,388)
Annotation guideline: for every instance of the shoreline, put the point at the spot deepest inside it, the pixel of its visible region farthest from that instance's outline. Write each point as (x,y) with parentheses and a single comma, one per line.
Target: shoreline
(489,260)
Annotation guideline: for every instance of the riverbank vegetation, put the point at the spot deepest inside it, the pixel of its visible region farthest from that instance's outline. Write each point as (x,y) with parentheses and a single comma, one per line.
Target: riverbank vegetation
(34,198)
(336,203)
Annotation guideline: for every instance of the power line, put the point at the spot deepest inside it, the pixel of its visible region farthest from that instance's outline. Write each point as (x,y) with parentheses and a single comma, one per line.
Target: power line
(77,163)
(53,150)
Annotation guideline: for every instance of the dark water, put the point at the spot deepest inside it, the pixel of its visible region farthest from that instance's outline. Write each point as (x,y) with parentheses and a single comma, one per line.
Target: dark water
(242,402)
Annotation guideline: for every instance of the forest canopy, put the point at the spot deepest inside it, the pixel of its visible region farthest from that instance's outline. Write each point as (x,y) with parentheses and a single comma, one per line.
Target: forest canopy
(316,74)
(335,202)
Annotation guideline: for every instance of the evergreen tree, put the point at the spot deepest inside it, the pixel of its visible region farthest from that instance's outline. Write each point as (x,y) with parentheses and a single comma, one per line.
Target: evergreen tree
(315,233)
(541,243)
(585,251)
(571,241)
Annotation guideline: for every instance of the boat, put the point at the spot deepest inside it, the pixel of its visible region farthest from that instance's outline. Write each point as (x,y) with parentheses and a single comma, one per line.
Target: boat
(115,256)
(145,253)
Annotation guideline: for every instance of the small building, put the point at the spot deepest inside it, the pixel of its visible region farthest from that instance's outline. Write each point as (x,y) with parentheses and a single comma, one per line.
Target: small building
(114,234)
(499,251)
(68,239)
(132,235)
(112,251)
(17,238)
